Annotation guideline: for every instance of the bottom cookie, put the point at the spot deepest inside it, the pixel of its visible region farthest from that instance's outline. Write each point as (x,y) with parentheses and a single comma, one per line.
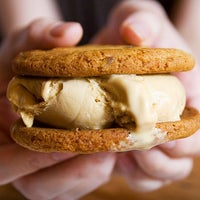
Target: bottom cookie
(44,139)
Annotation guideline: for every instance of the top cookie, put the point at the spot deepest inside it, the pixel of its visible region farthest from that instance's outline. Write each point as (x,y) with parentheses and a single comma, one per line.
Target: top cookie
(91,60)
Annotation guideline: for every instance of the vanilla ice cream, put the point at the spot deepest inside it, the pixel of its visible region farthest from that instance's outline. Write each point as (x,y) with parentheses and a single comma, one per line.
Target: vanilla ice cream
(96,103)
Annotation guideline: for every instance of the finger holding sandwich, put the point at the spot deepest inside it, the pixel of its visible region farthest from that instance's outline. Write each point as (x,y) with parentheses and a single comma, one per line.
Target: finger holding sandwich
(147,24)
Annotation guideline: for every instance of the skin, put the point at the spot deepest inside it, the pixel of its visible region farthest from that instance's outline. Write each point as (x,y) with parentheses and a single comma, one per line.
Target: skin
(71,176)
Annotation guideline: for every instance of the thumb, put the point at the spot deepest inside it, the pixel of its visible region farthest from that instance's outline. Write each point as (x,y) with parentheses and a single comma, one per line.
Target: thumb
(133,22)
(141,28)
(40,34)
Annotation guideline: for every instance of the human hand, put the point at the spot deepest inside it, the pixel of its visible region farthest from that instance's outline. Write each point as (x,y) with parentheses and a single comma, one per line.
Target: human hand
(144,23)
(44,175)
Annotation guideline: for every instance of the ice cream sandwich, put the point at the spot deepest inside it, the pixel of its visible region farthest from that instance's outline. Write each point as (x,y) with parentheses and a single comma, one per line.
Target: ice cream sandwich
(100,98)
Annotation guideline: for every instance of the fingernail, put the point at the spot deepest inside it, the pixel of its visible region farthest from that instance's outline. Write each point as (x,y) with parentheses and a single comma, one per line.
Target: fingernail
(62,156)
(141,29)
(58,29)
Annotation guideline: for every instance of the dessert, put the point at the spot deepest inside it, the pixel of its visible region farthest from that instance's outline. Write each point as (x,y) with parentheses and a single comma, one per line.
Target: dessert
(100,98)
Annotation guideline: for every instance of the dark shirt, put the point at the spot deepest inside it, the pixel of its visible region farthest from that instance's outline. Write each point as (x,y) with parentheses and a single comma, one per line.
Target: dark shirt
(92,14)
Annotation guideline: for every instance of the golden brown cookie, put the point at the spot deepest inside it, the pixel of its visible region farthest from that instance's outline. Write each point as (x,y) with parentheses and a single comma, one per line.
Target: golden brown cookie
(101,60)
(113,139)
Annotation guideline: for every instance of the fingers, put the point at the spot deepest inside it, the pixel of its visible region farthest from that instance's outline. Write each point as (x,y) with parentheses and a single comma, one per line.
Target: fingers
(25,162)
(135,176)
(157,164)
(68,180)
(150,170)
(183,147)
